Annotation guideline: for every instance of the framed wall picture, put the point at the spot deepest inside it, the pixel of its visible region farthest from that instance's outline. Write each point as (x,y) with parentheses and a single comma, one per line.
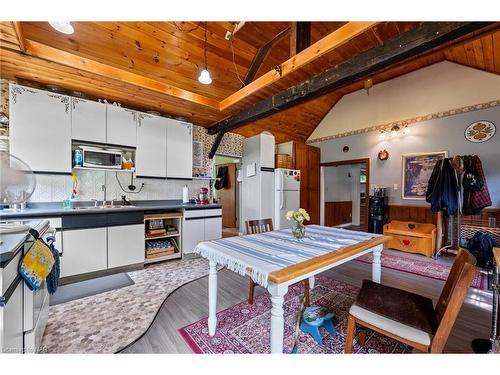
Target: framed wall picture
(197,154)
(416,171)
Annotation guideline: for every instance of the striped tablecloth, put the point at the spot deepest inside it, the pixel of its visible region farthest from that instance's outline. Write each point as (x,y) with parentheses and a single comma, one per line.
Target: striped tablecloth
(264,253)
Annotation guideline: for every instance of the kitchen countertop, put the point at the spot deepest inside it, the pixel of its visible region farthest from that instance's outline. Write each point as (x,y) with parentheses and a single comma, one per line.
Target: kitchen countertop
(12,242)
(55,209)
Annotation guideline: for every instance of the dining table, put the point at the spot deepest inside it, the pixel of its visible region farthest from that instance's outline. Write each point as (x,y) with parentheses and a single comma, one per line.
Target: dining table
(276,259)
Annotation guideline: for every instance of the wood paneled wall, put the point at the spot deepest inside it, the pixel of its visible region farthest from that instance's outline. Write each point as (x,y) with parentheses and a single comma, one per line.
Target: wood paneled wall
(337,213)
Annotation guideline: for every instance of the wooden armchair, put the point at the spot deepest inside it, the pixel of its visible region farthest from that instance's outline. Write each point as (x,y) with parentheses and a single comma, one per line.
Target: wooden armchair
(262,226)
(408,317)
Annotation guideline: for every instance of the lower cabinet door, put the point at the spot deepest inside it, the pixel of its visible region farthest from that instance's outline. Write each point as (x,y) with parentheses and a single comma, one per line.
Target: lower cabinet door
(193,232)
(12,341)
(125,245)
(85,250)
(213,228)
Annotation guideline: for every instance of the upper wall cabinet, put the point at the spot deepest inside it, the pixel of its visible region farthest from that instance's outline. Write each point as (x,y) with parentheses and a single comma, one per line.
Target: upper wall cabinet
(179,149)
(151,153)
(88,120)
(40,129)
(121,126)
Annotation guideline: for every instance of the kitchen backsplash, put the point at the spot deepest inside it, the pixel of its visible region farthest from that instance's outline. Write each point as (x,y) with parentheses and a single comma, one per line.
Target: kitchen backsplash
(52,188)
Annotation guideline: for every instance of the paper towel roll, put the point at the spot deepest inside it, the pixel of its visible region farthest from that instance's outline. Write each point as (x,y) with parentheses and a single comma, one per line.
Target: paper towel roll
(185,194)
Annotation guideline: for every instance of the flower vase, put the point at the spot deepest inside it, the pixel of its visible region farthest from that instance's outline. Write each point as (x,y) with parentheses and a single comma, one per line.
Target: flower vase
(298,230)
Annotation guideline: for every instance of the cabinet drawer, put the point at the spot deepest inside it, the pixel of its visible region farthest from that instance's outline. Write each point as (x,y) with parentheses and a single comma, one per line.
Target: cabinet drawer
(202,213)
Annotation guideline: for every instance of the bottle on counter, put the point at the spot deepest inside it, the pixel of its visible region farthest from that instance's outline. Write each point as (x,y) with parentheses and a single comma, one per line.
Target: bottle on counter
(185,194)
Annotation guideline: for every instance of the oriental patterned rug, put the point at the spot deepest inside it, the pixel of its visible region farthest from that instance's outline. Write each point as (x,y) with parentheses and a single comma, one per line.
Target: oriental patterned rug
(425,266)
(245,328)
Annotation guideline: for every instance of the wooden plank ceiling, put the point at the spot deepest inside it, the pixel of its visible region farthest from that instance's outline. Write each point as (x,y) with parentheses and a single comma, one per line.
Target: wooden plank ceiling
(172,53)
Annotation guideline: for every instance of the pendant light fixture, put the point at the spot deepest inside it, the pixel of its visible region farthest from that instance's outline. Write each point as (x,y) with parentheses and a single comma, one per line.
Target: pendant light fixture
(62,26)
(205,74)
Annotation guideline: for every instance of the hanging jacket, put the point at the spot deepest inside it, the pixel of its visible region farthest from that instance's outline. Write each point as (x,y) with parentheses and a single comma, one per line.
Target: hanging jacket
(222,175)
(476,193)
(442,189)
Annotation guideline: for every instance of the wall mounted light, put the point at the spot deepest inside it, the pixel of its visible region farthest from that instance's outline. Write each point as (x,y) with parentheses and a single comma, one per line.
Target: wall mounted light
(395,131)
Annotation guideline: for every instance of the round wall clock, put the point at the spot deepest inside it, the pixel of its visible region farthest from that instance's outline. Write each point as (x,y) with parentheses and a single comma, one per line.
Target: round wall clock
(480,131)
(345,149)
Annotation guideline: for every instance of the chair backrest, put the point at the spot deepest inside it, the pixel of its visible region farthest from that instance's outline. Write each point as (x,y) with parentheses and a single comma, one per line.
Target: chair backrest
(452,297)
(259,226)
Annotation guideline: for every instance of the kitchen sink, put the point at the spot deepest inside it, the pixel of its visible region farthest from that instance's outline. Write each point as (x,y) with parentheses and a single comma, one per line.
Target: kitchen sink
(116,206)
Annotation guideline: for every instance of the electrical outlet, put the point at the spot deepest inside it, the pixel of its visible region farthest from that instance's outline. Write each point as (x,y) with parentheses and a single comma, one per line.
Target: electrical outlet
(229,34)
(395,186)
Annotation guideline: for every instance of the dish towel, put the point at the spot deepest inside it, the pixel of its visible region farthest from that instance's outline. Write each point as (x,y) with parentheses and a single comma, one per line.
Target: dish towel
(36,265)
(53,277)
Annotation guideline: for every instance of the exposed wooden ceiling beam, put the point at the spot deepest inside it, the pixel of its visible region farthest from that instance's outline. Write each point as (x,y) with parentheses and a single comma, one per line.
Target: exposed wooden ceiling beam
(409,44)
(331,41)
(68,59)
(261,56)
(300,37)
(20,35)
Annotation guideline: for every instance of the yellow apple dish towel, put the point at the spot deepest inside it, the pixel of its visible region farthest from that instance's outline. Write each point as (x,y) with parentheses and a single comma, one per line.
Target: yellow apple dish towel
(36,264)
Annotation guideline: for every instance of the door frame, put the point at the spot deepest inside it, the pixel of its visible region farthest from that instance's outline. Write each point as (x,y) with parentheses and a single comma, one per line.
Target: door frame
(366,162)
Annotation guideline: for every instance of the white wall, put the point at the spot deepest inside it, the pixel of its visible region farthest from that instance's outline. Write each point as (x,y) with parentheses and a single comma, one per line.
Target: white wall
(337,184)
(433,135)
(439,87)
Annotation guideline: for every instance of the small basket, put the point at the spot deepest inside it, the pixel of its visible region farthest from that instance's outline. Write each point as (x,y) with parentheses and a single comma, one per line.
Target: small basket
(283,161)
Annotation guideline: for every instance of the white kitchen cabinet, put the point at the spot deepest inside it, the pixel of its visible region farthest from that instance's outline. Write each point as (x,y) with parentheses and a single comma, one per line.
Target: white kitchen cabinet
(88,120)
(125,245)
(85,250)
(151,152)
(200,225)
(179,149)
(40,129)
(11,322)
(121,126)
(213,228)
(193,232)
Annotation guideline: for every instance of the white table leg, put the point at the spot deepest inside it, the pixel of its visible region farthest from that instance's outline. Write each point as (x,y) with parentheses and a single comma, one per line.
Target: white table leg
(376,264)
(277,292)
(212,298)
(312,280)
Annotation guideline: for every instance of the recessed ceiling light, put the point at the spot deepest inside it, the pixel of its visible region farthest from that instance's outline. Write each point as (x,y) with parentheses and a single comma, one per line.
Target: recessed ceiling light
(62,26)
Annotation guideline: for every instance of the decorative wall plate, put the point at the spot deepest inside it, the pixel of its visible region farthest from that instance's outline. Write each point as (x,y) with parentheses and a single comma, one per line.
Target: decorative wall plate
(480,131)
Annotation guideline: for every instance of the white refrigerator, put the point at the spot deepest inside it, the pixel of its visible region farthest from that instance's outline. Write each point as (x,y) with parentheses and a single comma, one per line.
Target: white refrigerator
(286,195)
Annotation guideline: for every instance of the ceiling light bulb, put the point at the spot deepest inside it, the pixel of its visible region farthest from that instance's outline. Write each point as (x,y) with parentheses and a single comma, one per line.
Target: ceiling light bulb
(406,130)
(62,26)
(205,77)
(394,133)
(382,135)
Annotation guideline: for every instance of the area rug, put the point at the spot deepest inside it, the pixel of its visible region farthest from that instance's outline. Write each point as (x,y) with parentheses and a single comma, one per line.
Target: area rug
(245,328)
(426,267)
(109,321)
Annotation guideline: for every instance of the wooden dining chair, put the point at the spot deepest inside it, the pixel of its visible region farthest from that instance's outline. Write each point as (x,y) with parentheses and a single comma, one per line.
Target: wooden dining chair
(408,317)
(262,226)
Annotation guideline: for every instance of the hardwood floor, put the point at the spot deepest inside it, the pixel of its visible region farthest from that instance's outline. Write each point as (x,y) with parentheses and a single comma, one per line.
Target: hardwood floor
(189,304)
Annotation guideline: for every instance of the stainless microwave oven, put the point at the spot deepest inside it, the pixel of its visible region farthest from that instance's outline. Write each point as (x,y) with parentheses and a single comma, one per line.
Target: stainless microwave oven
(93,157)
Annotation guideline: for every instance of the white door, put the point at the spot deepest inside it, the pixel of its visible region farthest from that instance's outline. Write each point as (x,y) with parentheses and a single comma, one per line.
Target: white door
(179,149)
(213,228)
(40,129)
(85,250)
(285,201)
(151,152)
(125,245)
(121,126)
(88,120)
(193,232)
